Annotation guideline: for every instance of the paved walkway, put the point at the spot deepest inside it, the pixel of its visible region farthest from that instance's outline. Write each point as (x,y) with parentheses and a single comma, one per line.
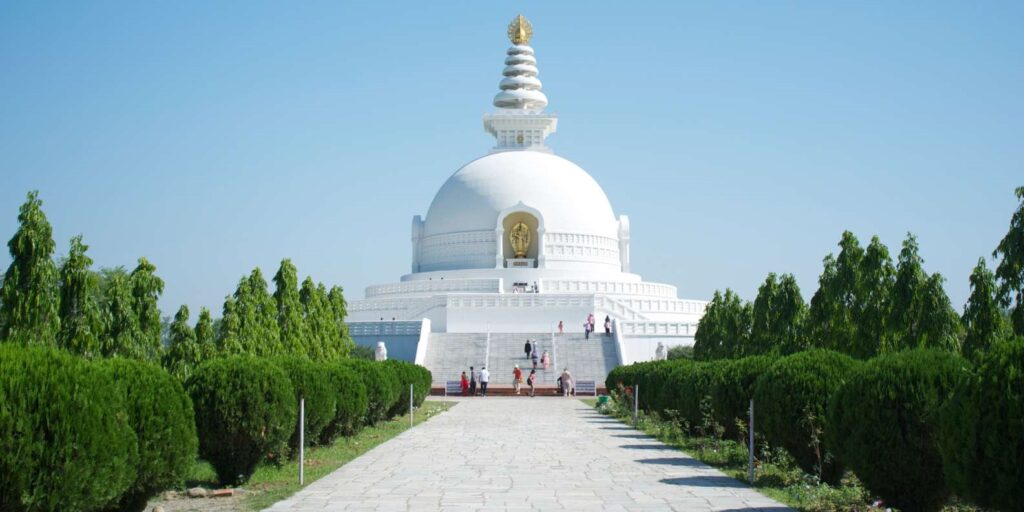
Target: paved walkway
(522,454)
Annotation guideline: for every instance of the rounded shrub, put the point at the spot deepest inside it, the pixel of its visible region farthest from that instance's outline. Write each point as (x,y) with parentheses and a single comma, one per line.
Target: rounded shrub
(981,433)
(312,382)
(688,389)
(65,438)
(382,387)
(733,388)
(790,401)
(160,413)
(245,412)
(352,402)
(408,374)
(883,422)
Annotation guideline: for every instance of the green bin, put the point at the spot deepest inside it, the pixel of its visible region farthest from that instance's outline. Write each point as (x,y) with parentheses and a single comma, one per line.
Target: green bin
(603,399)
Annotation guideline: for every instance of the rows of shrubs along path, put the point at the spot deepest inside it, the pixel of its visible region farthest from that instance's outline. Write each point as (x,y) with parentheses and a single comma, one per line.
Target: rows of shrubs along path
(523,454)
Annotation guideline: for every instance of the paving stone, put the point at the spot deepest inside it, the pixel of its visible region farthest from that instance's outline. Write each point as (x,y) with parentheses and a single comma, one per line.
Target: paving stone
(525,454)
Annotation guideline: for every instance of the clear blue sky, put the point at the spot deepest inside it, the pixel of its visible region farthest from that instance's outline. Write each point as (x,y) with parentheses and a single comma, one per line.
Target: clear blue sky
(740,137)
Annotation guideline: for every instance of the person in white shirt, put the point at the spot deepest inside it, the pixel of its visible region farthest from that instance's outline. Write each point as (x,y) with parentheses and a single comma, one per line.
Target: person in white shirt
(566,383)
(485,376)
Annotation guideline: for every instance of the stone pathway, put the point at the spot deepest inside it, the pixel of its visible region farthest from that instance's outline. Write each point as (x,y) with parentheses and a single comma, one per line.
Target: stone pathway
(522,454)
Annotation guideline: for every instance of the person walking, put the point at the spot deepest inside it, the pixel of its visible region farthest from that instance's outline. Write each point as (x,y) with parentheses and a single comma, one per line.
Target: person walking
(561,327)
(532,382)
(590,320)
(566,382)
(464,384)
(545,360)
(485,377)
(607,326)
(517,378)
(534,356)
(527,348)
(586,330)
(472,382)
(533,348)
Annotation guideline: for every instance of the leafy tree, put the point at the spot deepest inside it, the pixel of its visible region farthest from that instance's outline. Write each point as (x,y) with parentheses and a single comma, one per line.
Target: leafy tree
(228,341)
(1010,270)
(206,335)
(777,317)
(81,323)
(876,278)
(319,319)
(723,331)
(921,314)
(289,310)
(339,310)
(146,291)
(122,332)
(183,352)
(258,333)
(29,297)
(831,315)
(983,319)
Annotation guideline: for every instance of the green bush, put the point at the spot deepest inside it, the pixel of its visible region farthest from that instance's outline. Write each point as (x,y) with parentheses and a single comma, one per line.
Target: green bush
(790,401)
(408,373)
(982,430)
(245,412)
(688,388)
(160,413)
(382,387)
(352,402)
(65,438)
(733,388)
(883,422)
(312,382)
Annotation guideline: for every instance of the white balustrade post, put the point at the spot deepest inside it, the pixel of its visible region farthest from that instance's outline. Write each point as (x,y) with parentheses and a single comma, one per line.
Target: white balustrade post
(636,404)
(750,454)
(302,441)
(410,406)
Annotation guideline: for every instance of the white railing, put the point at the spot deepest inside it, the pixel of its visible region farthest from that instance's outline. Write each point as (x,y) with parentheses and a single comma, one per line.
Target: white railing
(617,309)
(695,307)
(609,287)
(397,328)
(435,286)
(657,328)
(524,300)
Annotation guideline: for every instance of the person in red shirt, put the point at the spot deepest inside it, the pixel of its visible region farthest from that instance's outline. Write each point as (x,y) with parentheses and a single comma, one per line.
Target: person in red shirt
(517,378)
(465,385)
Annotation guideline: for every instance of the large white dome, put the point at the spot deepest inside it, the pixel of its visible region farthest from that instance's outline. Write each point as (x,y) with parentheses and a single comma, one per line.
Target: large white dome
(567,198)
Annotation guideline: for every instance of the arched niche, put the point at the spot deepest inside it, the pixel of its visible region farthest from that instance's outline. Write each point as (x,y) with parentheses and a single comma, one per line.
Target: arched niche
(532,223)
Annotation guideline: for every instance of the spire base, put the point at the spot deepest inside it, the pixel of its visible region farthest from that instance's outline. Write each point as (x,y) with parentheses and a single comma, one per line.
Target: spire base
(516,129)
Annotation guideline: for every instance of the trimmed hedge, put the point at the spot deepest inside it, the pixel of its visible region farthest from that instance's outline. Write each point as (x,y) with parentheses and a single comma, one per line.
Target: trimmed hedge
(160,413)
(981,434)
(733,388)
(245,411)
(352,402)
(408,373)
(311,381)
(790,401)
(382,387)
(65,438)
(686,388)
(883,422)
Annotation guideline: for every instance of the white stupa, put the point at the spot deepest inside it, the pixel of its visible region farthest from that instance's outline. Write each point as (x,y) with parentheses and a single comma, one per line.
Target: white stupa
(515,242)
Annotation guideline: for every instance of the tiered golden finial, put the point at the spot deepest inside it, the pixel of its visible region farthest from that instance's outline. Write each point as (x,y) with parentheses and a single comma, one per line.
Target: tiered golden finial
(520,31)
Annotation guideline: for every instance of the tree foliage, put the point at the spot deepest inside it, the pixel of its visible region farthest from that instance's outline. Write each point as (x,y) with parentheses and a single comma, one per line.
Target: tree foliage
(258,333)
(831,317)
(81,322)
(1010,270)
(983,319)
(339,310)
(777,317)
(724,329)
(290,323)
(228,341)
(146,289)
(875,280)
(921,314)
(29,297)
(183,353)
(122,332)
(206,335)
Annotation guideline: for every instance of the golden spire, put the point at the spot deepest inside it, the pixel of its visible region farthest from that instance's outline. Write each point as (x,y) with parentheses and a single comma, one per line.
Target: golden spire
(520,31)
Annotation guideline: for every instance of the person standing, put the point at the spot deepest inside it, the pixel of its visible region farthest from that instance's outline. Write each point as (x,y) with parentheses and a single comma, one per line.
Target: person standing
(485,377)
(566,382)
(586,330)
(464,384)
(534,356)
(517,378)
(545,360)
(590,320)
(472,382)
(607,326)
(532,382)
(528,349)
(533,349)
(561,327)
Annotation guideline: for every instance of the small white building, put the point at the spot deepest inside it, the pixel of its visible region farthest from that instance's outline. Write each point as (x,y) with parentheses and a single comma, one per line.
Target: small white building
(517,241)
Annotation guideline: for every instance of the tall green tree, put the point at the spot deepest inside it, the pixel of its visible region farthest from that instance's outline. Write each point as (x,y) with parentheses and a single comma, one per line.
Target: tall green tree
(183,352)
(258,332)
(876,277)
(81,322)
(1010,270)
(29,296)
(777,317)
(983,319)
(228,342)
(319,321)
(290,310)
(724,330)
(921,314)
(122,334)
(831,323)
(206,337)
(339,311)
(146,291)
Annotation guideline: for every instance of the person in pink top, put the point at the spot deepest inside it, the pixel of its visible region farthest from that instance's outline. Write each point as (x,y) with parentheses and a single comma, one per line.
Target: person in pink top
(545,359)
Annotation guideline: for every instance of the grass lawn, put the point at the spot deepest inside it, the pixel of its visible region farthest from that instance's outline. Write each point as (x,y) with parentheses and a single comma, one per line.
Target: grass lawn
(271,484)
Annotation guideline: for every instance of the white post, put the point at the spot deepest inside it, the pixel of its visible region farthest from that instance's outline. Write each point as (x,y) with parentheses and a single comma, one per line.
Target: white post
(636,404)
(410,406)
(750,454)
(302,440)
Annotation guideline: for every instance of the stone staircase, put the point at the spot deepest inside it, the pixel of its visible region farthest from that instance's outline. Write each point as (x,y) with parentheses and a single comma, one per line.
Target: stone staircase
(449,354)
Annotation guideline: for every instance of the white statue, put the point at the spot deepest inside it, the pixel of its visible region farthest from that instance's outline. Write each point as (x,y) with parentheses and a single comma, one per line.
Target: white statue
(382,352)
(660,353)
